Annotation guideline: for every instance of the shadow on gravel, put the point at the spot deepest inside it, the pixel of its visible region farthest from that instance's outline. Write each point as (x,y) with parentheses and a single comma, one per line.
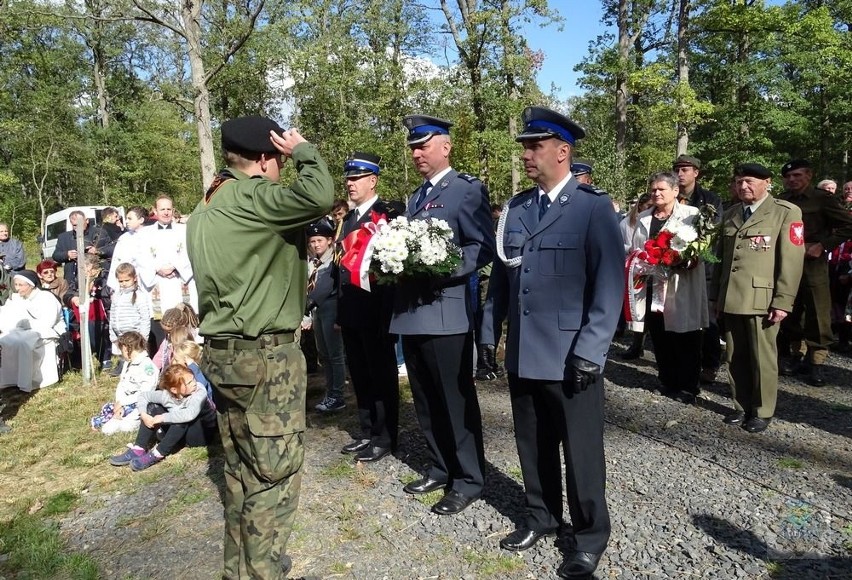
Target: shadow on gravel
(842,479)
(628,376)
(216,468)
(784,565)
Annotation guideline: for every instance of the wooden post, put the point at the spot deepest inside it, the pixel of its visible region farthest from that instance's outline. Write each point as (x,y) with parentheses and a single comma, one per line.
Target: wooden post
(83,291)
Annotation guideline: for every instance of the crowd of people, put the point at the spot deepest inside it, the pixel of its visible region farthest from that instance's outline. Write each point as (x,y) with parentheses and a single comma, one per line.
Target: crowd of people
(260,263)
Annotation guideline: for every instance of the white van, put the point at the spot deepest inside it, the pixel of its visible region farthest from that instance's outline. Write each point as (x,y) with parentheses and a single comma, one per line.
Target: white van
(59,222)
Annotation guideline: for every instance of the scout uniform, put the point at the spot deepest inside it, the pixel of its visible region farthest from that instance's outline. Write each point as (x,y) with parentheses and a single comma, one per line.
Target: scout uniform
(760,270)
(247,245)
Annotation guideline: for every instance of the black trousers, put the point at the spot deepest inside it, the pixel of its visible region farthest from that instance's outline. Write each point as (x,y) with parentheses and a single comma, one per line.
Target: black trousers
(678,355)
(174,436)
(711,350)
(545,416)
(371,358)
(440,370)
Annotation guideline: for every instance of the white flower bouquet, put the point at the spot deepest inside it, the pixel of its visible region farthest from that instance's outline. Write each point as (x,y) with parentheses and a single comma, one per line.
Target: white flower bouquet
(414,249)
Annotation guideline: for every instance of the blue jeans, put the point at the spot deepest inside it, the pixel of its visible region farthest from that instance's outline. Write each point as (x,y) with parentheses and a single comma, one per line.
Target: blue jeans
(330,348)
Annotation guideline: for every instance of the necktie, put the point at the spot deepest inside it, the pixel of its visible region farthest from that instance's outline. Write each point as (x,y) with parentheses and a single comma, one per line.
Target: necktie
(746,213)
(312,279)
(357,214)
(424,191)
(543,204)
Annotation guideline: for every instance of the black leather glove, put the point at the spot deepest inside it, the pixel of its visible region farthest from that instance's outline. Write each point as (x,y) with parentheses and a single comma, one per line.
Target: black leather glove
(585,373)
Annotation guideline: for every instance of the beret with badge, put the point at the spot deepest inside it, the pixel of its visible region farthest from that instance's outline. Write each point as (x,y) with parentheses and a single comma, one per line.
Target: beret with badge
(249,135)
(794,164)
(752,170)
(321,227)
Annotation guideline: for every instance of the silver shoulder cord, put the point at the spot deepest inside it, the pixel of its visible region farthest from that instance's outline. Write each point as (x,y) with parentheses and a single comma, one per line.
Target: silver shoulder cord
(501,225)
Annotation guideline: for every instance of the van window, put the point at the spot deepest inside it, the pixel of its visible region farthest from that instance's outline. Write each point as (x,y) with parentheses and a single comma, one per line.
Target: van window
(54,229)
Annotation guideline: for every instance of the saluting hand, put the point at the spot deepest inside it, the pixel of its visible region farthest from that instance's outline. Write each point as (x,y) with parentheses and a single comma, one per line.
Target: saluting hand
(287,141)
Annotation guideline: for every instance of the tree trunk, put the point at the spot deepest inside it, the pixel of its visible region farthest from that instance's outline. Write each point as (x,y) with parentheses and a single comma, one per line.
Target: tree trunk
(190,15)
(682,73)
(621,92)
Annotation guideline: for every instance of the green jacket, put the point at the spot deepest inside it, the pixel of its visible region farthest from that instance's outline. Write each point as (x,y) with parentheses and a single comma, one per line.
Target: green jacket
(248,250)
(826,220)
(761,260)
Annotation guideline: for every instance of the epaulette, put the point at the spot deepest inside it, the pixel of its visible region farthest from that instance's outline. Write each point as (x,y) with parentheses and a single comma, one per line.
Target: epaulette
(520,197)
(591,189)
(784,203)
(467,177)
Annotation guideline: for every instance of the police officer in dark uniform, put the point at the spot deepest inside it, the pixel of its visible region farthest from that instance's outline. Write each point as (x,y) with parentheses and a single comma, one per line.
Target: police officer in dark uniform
(435,320)
(560,279)
(363,314)
(827,223)
(246,241)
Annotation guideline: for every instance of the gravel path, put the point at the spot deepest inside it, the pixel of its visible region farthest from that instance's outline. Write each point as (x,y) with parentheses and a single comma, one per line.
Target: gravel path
(688,495)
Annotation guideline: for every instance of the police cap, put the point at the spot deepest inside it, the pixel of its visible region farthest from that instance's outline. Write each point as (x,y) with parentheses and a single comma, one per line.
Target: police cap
(542,123)
(794,164)
(322,228)
(249,134)
(686,161)
(421,128)
(360,163)
(582,166)
(752,170)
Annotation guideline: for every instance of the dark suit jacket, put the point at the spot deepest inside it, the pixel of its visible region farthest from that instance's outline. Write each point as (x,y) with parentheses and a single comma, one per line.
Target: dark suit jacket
(566,296)
(443,306)
(357,308)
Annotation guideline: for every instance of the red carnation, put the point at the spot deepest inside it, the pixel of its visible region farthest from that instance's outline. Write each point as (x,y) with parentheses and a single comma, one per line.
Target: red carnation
(650,245)
(669,257)
(664,238)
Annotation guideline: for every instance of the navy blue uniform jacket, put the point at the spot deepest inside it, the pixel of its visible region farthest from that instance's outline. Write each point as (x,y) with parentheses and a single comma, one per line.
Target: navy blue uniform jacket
(565,297)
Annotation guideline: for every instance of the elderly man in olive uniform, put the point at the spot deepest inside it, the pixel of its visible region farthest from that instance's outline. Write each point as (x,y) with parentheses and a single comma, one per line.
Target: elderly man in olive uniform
(247,245)
(435,320)
(827,223)
(762,248)
(560,278)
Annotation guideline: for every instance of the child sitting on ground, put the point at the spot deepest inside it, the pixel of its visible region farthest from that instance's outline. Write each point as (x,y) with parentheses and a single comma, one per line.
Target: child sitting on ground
(181,316)
(139,374)
(178,414)
(187,352)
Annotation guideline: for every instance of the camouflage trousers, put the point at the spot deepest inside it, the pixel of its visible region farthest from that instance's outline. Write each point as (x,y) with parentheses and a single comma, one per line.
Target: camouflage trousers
(260,398)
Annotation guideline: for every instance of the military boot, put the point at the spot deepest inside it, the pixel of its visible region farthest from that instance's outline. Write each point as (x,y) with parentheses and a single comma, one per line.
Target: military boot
(791,365)
(490,354)
(636,348)
(816,377)
(483,368)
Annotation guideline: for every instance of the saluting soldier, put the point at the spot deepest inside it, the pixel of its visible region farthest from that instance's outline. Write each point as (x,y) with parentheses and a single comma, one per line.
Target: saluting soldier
(560,278)
(827,223)
(762,248)
(246,241)
(435,320)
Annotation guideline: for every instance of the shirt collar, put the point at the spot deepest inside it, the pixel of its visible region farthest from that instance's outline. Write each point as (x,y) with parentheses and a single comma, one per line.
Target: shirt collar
(436,179)
(555,191)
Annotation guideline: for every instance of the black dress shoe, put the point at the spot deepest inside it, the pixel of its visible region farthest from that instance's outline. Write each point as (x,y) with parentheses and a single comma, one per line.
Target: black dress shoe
(685,397)
(756,424)
(424,485)
(579,565)
(356,446)
(522,539)
(452,503)
(790,366)
(816,378)
(372,453)
(736,418)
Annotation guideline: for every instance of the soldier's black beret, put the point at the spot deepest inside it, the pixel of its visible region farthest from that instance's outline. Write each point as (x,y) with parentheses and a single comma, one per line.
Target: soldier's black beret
(321,227)
(421,128)
(249,134)
(543,123)
(795,164)
(752,170)
(360,163)
(581,166)
(686,160)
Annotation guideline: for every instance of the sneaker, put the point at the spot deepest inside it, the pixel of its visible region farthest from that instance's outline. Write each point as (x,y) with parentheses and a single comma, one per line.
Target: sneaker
(144,461)
(330,404)
(106,366)
(401,370)
(116,370)
(126,457)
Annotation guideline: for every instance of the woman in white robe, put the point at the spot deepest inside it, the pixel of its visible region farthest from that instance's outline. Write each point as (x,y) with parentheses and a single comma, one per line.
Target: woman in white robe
(30,325)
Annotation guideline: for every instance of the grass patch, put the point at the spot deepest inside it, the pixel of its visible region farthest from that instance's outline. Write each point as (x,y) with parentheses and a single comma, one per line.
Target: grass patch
(847,538)
(841,407)
(61,503)
(340,470)
(430,498)
(775,569)
(339,568)
(790,463)
(490,564)
(515,473)
(35,550)
(405,395)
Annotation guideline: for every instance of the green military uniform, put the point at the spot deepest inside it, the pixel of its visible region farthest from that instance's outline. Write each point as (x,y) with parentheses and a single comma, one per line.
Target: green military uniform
(247,245)
(760,269)
(826,222)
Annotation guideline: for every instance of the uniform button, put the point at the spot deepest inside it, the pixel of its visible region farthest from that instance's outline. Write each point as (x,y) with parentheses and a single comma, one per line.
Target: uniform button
(526,270)
(559,244)
(526,312)
(736,257)
(734,269)
(532,249)
(739,247)
(526,290)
